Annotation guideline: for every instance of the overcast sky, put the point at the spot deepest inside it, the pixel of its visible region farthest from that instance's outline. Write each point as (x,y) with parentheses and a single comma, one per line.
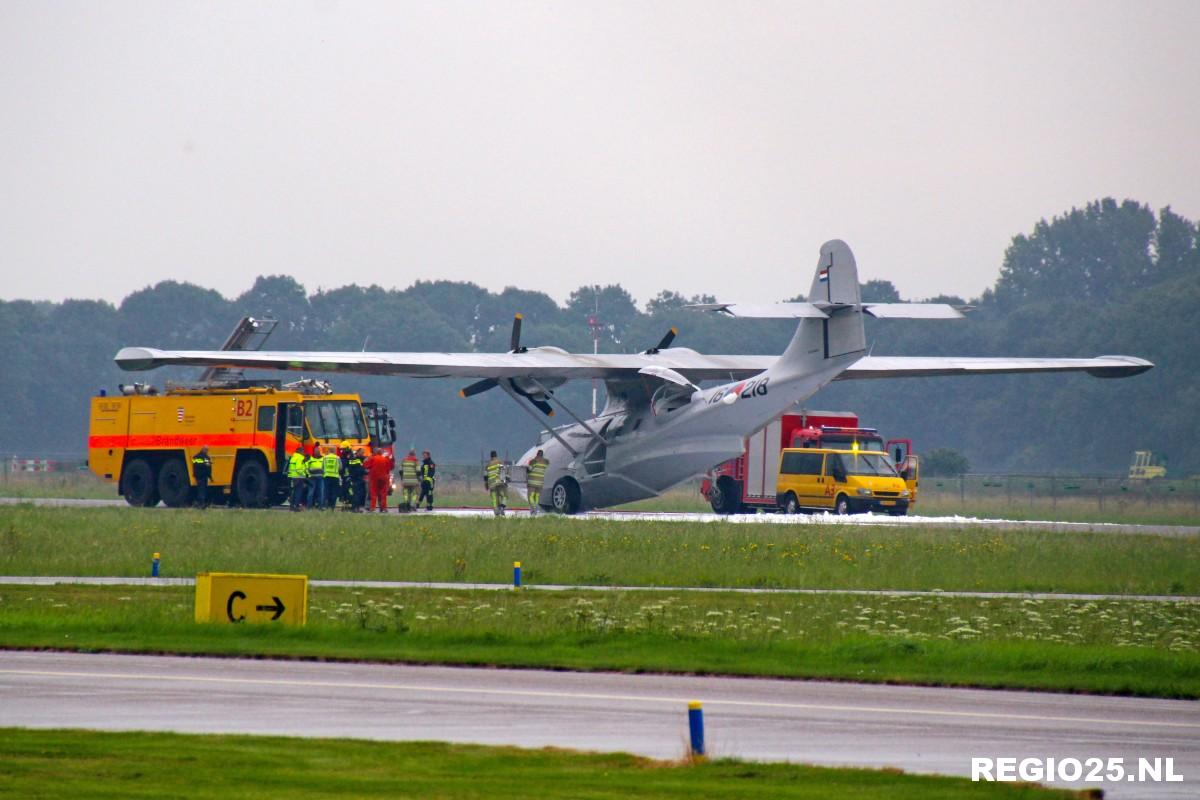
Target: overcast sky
(700,147)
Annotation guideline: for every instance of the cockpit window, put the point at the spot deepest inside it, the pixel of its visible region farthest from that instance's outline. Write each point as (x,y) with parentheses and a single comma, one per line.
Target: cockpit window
(670,397)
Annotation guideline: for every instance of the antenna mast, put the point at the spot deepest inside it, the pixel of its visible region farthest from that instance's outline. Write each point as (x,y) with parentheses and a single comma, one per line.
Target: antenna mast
(597,328)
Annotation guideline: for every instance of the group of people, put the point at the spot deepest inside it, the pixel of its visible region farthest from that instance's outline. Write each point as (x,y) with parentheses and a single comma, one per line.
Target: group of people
(495,476)
(326,476)
(416,476)
(322,478)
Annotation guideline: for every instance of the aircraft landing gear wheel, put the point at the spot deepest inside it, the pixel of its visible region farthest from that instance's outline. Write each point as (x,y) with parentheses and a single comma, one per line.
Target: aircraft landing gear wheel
(174,487)
(139,486)
(791,505)
(251,485)
(565,497)
(841,506)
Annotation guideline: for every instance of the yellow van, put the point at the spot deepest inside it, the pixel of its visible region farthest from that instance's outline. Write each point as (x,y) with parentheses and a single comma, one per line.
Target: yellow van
(841,481)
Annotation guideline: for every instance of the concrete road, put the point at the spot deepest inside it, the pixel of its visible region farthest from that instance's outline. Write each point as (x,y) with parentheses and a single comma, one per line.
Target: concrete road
(116,580)
(915,729)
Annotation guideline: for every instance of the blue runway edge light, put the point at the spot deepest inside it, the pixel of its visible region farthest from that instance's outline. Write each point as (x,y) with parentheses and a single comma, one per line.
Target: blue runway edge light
(696,727)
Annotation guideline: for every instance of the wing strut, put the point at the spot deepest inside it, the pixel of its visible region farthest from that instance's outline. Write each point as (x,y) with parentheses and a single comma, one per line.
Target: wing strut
(550,396)
(519,401)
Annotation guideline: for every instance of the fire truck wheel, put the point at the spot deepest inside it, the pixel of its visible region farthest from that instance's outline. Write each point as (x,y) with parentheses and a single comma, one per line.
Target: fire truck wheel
(174,487)
(725,496)
(251,484)
(138,483)
(841,506)
(790,504)
(565,497)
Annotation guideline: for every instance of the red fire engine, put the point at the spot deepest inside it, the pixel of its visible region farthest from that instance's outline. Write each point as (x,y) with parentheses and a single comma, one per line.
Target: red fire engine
(748,482)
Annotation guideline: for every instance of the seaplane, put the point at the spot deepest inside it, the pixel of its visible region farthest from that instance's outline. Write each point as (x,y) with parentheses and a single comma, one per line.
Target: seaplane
(659,426)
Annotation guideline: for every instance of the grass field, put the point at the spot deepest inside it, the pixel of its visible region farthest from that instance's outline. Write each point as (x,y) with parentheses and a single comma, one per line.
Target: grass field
(1125,646)
(557,550)
(1109,500)
(72,764)
(1120,647)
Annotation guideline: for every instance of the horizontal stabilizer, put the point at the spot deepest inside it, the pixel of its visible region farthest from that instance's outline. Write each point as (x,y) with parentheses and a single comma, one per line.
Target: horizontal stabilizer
(914,310)
(821,310)
(764,310)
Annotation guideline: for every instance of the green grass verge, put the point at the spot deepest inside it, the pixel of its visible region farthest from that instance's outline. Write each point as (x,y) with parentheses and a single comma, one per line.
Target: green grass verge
(556,550)
(71,764)
(1154,503)
(1118,647)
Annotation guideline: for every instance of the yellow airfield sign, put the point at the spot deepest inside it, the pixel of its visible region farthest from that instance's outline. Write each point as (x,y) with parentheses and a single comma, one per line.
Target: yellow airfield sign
(233,597)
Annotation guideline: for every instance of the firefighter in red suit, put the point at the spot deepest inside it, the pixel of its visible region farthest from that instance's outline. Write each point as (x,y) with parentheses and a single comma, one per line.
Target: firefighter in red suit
(379,474)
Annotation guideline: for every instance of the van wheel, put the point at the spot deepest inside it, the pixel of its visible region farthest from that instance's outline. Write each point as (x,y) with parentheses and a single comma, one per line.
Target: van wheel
(138,484)
(174,486)
(841,507)
(565,497)
(790,504)
(251,484)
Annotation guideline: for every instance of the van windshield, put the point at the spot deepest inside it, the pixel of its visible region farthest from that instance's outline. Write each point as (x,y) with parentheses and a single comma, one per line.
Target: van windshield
(871,464)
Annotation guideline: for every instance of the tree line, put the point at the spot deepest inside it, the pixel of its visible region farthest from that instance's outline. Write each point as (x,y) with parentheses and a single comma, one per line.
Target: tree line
(1111,277)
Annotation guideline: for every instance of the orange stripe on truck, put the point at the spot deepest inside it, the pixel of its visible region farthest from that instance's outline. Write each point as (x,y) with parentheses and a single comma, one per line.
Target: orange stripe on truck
(144,441)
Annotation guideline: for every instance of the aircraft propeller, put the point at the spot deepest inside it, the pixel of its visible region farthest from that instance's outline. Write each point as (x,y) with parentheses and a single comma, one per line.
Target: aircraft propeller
(514,343)
(491,383)
(664,343)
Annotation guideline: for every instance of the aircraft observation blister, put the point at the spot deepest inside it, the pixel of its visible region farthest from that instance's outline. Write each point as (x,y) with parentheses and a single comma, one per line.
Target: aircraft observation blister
(659,427)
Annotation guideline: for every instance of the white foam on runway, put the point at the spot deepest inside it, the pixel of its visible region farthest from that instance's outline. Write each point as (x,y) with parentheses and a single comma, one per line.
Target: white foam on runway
(824,518)
(860,520)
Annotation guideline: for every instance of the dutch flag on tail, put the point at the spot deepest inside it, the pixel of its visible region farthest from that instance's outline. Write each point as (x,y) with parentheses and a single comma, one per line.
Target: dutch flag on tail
(823,275)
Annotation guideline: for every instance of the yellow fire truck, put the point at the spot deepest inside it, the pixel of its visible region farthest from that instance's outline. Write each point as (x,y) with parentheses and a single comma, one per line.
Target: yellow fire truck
(144,440)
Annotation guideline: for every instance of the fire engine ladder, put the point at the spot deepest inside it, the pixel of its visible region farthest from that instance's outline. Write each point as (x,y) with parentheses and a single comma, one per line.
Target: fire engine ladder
(248,334)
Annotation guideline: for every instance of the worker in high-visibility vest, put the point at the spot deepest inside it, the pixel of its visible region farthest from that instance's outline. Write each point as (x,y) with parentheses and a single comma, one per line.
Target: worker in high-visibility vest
(356,479)
(202,471)
(427,470)
(497,484)
(409,480)
(331,471)
(316,473)
(297,472)
(534,481)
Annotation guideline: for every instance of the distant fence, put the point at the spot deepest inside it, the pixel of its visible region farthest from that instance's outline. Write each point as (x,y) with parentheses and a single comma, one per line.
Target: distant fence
(1101,492)
(20,465)
(1105,491)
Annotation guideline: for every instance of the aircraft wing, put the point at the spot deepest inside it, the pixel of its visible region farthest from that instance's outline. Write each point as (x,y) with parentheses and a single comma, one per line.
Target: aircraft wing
(924,366)
(536,362)
(552,362)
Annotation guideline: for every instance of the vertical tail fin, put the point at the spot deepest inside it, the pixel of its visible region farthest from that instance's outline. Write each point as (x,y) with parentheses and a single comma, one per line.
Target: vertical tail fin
(835,291)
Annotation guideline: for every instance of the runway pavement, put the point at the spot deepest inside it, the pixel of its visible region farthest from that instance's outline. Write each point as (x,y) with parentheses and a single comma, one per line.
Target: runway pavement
(952,521)
(116,580)
(915,729)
